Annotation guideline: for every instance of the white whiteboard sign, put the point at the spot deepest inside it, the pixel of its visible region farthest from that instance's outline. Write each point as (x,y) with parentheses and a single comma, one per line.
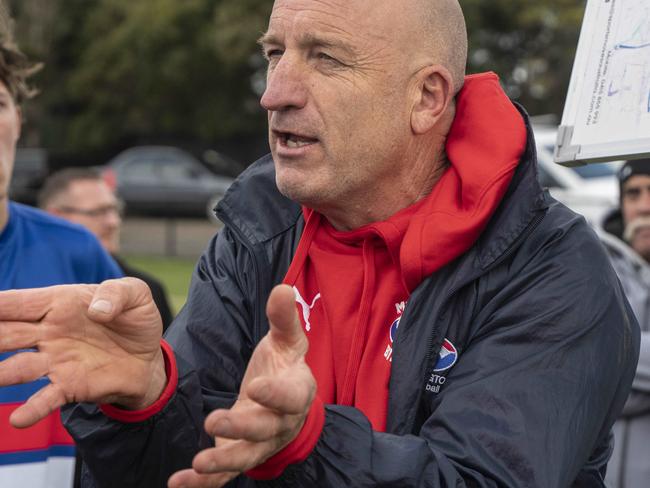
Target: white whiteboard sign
(607,112)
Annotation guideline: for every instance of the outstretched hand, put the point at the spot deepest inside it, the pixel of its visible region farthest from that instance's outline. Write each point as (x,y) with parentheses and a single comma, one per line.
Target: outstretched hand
(95,343)
(274,399)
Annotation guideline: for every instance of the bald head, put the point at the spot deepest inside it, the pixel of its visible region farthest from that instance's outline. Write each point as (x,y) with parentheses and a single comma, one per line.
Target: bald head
(442,28)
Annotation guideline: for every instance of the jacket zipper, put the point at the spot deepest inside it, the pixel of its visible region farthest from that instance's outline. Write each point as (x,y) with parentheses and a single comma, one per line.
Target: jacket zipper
(257,319)
(443,308)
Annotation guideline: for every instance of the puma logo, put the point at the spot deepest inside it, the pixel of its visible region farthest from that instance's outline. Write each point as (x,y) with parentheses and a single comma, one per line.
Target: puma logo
(306,308)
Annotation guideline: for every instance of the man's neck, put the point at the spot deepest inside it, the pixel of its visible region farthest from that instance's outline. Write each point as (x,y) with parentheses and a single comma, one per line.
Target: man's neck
(4,213)
(377,206)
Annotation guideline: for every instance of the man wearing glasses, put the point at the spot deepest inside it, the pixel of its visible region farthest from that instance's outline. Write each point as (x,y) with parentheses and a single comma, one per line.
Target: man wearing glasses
(81,195)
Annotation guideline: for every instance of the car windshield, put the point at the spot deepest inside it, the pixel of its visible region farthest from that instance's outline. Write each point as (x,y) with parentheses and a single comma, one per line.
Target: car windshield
(594,170)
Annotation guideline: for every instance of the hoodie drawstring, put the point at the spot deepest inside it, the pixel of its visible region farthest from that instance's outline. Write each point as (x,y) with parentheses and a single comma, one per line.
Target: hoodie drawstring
(346,397)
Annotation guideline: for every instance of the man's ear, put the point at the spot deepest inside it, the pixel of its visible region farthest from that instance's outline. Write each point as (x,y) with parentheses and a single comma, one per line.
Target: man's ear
(434,92)
(53,210)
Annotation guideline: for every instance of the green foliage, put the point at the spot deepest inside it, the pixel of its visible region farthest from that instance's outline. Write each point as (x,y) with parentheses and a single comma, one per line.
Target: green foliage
(157,67)
(530,44)
(128,70)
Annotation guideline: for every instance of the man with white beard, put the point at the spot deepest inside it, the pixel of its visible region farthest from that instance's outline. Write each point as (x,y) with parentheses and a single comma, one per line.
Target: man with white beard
(627,239)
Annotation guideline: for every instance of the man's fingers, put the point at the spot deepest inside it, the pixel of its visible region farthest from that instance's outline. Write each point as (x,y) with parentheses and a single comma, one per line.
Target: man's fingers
(290,394)
(233,456)
(22,368)
(112,297)
(189,478)
(285,328)
(251,422)
(18,335)
(25,305)
(39,406)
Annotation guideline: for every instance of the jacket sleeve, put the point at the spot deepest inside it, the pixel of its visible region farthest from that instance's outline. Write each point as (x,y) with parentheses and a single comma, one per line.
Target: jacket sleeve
(530,401)
(634,279)
(642,378)
(211,361)
(638,403)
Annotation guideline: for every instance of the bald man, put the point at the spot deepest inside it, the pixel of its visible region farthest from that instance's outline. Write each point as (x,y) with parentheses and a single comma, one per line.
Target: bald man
(393,300)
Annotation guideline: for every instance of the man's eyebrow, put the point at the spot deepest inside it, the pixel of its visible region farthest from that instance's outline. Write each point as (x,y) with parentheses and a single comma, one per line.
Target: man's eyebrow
(313,40)
(267,38)
(310,40)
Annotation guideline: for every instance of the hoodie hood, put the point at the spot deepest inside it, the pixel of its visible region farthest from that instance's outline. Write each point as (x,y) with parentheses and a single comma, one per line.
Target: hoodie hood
(484,146)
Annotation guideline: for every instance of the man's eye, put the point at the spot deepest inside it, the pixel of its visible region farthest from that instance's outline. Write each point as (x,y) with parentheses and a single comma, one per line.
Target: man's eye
(272,53)
(326,57)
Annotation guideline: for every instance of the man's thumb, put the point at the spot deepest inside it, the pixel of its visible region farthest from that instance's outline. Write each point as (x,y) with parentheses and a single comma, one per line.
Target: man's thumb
(283,317)
(114,296)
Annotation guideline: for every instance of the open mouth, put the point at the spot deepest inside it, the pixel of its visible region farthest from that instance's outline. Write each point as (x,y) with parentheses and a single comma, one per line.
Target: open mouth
(291,140)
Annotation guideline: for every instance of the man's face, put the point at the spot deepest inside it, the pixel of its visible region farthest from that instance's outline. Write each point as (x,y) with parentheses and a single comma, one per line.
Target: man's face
(635,207)
(337,98)
(92,204)
(9,134)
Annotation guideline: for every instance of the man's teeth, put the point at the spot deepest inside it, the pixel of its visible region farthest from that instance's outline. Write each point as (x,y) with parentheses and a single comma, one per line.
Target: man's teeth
(294,141)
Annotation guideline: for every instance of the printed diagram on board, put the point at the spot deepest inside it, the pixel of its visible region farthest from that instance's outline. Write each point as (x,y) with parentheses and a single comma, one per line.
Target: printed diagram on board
(629,82)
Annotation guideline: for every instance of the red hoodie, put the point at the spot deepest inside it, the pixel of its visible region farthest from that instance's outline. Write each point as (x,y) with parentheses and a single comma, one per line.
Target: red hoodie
(351,287)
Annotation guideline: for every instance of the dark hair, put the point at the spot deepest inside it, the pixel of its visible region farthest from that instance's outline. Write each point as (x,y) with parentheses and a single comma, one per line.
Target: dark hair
(632,168)
(15,68)
(59,182)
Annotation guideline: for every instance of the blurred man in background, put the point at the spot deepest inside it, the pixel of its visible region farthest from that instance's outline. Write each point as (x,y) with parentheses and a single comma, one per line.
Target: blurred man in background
(627,240)
(36,250)
(81,195)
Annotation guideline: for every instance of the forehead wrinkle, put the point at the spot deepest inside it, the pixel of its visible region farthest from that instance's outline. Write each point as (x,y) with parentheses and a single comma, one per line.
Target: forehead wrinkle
(373,47)
(325,18)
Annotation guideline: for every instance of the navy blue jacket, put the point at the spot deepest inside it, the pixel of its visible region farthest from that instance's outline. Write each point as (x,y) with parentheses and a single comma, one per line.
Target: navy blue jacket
(547,348)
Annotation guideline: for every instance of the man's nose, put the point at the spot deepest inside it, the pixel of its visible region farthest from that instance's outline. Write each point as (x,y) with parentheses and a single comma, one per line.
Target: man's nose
(644,202)
(285,86)
(113,219)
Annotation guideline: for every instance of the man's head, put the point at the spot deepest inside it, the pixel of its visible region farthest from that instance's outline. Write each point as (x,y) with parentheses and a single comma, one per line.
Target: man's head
(635,205)
(360,99)
(82,196)
(15,69)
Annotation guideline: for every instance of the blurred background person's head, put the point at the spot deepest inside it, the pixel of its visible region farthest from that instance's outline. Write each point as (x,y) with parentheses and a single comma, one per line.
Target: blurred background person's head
(635,205)
(15,68)
(82,196)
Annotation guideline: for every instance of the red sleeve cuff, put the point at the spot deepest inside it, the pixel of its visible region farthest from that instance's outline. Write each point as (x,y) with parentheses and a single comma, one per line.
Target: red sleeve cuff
(131,416)
(298,449)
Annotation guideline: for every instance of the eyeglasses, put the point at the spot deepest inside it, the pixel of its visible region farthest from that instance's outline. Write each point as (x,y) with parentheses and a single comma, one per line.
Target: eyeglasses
(99,212)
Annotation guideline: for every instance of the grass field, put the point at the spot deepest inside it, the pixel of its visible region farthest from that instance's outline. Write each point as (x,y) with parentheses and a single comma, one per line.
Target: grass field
(175,273)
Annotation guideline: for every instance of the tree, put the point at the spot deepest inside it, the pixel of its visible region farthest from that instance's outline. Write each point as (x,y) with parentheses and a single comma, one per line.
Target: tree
(119,71)
(531,45)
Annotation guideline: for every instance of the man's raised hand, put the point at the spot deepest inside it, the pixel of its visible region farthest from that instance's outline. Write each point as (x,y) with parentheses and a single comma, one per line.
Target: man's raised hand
(274,399)
(95,343)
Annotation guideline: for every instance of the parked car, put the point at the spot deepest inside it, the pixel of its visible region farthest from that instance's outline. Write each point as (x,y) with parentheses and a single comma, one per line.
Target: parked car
(29,173)
(165,181)
(591,190)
